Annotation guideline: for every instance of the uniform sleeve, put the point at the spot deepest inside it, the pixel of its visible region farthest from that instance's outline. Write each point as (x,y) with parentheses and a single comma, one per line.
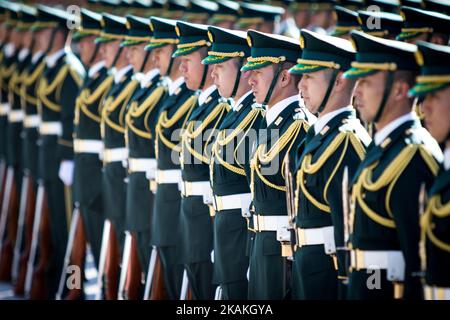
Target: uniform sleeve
(350,160)
(405,209)
(68,95)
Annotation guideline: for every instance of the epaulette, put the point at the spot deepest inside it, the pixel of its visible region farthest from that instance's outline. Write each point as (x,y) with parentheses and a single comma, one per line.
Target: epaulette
(421,136)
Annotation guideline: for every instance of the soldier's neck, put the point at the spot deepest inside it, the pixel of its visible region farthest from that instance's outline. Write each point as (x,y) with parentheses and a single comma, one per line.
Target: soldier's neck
(287,93)
(390,113)
(336,102)
(242,89)
(55,49)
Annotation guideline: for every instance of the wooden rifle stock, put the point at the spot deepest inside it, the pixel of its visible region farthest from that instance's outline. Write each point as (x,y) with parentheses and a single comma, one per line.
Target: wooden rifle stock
(158,291)
(112,266)
(2,180)
(9,225)
(39,286)
(133,284)
(24,234)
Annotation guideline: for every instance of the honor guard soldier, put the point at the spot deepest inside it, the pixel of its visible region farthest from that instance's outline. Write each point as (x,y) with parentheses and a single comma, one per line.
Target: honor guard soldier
(196,225)
(337,140)
(57,91)
(226,14)
(437,6)
(176,107)
(322,18)
(418,4)
(424,25)
(231,154)
(28,101)
(115,153)
(261,17)
(199,11)
(434,85)
(87,220)
(383,5)
(275,91)
(380,24)
(13,126)
(385,233)
(346,21)
(142,112)
(287,26)
(353,5)
(174,10)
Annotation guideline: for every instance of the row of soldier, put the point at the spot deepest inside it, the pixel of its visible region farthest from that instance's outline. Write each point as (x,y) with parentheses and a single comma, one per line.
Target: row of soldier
(200,161)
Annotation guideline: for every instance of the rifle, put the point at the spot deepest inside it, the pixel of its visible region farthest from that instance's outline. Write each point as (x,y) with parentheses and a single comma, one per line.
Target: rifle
(2,179)
(109,263)
(76,248)
(103,252)
(8,226)
(35,283)
(154,285)
(422,212)
(184,287)
(21,249)
(131,273)
(346,209)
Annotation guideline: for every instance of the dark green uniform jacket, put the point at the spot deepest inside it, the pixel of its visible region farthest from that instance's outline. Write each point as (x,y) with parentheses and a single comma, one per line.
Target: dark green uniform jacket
(173,114)
(8,65)
(140,134)
(320,164)
(196,224)
(436,226)
(269,199)
(31,76)
(229,178)
(385,194)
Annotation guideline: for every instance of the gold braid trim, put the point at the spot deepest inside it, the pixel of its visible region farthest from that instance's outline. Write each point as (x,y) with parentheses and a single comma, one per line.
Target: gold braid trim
(104,86)
(112,103)
(194,44)
(434,208)
(261,156)
(164,122)
(191,133)
(30,79)
(227,54)
(267,59)
(137,111)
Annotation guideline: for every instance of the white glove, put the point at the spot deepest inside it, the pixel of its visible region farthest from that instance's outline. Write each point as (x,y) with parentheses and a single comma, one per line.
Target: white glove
(66,172)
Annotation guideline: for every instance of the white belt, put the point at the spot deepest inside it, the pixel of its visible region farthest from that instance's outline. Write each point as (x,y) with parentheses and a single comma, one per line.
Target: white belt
(114,155)
(436,293)
(4,109)
(15,116)
(88,146)
(270,223)
(392,261)
(32,121)
(195,188)
(141,165)
(315,236)
(50,128)
(168,176)
(234,201)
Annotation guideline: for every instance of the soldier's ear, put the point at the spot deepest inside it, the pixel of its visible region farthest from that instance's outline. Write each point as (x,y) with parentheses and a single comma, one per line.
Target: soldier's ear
(285,78)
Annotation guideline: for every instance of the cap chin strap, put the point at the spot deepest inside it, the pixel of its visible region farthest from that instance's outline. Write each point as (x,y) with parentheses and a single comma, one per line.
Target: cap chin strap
(238,78)
(202,84)
(329,89)
(386,93)
(52,40)
(147,55)
(263,106)
(113,66)
(94,54)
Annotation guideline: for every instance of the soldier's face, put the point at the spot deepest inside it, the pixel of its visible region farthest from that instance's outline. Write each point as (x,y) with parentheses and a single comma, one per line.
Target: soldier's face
(224,76)
(368,94)
(43,38)
(136,55)
(110,50)
(27,38)
(313,87)
(86,48)
(161,58)
(302,18)
(191,68)
(437,114)
(260,80)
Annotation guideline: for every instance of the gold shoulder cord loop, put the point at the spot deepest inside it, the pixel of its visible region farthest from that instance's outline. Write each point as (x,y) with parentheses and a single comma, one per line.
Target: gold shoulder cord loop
(435,208)
(46,89)
(164,122)
(86,99)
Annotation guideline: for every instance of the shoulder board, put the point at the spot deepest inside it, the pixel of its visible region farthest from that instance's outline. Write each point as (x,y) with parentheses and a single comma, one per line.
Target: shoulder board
(421,136)
(354,125)
(75,65)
